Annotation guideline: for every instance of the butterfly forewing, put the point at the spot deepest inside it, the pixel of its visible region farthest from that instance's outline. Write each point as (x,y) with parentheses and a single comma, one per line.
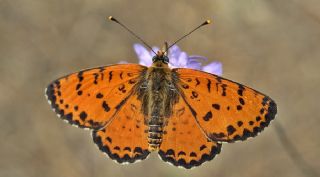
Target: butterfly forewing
(225,110)
(91,97)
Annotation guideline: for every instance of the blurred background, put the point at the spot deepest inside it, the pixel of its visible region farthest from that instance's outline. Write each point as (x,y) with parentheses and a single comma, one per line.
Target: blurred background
(270,45)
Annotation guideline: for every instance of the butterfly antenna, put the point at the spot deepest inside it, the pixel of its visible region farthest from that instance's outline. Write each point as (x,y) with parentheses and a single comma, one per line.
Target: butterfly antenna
(125,27)
(203,24)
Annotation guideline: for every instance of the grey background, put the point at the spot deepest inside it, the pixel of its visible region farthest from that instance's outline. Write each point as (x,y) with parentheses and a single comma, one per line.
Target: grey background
(270,45)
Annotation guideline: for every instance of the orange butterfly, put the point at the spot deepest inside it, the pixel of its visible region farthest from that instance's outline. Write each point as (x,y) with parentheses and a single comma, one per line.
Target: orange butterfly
(183,114)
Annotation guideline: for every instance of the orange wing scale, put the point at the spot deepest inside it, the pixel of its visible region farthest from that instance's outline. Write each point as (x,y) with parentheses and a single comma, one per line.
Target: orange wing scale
(226,111)
(184,144)
(124,139)
(91,97)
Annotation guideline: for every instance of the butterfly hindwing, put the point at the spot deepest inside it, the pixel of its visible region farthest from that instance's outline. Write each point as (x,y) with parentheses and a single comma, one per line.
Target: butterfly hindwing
(225,110)
(124,139)
(90,98)
(184,144)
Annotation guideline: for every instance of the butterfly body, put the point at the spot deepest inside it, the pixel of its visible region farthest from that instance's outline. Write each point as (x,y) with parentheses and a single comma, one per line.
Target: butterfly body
(183,114)
(159,96)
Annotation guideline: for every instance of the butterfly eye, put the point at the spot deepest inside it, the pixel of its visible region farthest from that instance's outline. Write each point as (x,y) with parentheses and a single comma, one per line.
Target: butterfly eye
(165,59)
(154,58)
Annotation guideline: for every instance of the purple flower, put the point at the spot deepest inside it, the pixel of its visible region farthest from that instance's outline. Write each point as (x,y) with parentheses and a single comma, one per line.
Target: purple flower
(178,59)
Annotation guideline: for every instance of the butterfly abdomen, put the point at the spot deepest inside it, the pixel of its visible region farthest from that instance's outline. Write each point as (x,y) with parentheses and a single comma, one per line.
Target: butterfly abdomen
(155,132)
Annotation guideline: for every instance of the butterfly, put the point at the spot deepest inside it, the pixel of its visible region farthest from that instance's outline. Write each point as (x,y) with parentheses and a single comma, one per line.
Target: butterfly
(183,114)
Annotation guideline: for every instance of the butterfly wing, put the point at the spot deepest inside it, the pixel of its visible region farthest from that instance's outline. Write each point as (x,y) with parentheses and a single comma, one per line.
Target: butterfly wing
(183,143)
(124,139)
(91,97)
(226,111)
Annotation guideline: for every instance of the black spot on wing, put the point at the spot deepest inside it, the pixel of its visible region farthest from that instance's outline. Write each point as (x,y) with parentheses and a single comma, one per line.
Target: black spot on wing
(170,152)
(99,95)
(241,101)
(208,116)
(96,75)
(230,130)
(209,85)
(185,86)
(78,86)
(132,81)
(202,147)
(110,75)
(80,76)
(193,154)
(109,139)
(240,89)
(197,82)
(83,115)
(122,89)
(194,94)
(79,92)
(224,88)
(189,80)
(216,106)
(69,116)
(181,153)
(258,118)
(105,106)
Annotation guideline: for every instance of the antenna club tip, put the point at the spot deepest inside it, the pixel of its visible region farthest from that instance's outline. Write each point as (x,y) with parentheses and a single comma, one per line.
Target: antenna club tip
(112,19)
(206,22)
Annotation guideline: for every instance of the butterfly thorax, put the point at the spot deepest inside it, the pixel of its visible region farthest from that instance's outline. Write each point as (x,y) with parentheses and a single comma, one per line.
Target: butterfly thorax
(158,100)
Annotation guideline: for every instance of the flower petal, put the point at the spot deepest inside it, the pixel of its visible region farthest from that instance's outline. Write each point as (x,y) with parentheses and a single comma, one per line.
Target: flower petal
(214,68)
(182,60)
(194,65)
(173,54)
(143,55)
(178,59)
(197,57)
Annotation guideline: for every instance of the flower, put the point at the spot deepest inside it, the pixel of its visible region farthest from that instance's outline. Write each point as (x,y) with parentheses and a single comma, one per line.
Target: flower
(178,59)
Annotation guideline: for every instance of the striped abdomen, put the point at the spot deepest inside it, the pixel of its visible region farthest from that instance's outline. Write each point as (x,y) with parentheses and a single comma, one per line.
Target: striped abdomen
(155,132)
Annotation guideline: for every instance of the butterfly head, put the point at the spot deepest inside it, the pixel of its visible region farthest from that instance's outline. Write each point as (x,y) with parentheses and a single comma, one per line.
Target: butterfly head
(161,57)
